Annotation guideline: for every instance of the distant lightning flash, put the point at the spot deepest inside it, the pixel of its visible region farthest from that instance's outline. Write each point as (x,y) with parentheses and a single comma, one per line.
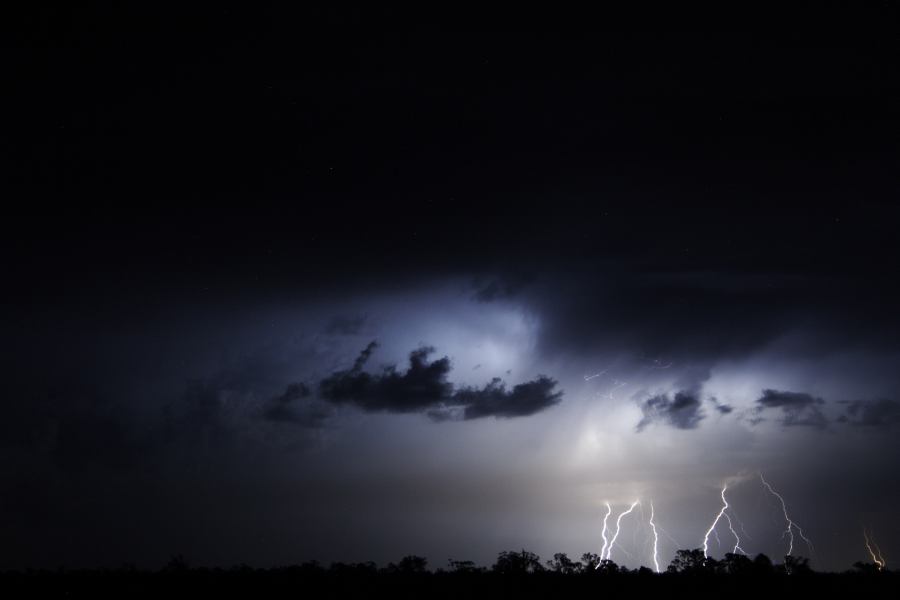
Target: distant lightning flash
(655,539)
(878,550)
(595,375)
(616,384)
(791,525)
(603,533)
(877,559)
(612,542)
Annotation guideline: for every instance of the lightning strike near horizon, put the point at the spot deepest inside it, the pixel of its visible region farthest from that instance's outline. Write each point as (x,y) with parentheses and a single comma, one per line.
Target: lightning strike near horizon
(603,533)
(878,551)
(612,542)
(655,539)
(737,541)
(877,559)
(790,524)
(716,522)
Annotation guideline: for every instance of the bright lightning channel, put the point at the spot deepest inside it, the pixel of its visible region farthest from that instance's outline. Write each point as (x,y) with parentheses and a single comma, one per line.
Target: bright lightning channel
(715,522)
(603,533)
(655,539)
(737,540)
(612,542)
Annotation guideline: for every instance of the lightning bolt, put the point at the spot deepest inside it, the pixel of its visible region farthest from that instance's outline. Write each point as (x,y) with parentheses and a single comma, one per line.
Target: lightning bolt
(878,550)
(715,522)
(877,559)
(791,525)
(737,540)
(603,533)
(655,539)
(612,542)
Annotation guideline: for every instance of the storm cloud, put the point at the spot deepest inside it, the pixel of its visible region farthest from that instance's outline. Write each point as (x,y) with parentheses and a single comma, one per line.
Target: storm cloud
(683,411)
(883,412)
(495,400)
(798,409)
(676,238)
(424,387)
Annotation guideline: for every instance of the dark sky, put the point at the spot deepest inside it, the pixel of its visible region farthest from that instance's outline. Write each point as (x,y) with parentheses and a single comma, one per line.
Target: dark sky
(272,294)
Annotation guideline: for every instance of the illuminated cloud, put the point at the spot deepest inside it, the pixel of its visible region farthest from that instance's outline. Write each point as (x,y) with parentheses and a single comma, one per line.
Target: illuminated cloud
(683,411)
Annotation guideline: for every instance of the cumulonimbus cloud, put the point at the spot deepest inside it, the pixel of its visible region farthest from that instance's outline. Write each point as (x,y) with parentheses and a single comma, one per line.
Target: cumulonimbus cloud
(682,411)
(423,387)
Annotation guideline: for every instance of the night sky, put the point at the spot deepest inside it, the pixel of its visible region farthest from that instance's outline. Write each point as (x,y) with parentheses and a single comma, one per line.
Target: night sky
(271,295)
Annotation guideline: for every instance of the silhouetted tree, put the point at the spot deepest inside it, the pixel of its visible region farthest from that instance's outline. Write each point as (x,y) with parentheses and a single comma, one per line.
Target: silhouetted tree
(762,565)
(409,565)
(796,565)
(310,567)
(589,562)
(563,565)
(354,569)
(608,567)
(464,566)
(866,568)
(518,563)
(177,564)
(692,562)
(736,564)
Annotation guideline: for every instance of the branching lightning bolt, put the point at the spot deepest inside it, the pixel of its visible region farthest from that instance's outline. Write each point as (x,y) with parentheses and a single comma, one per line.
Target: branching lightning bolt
(612,542)
(655,539)
(603,533)
(737,540)
(791,525)
(723,512)
(714,523)
(595,375)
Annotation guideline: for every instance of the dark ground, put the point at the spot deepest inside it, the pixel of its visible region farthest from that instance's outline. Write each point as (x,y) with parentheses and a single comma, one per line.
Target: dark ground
(514,575)
(293,582)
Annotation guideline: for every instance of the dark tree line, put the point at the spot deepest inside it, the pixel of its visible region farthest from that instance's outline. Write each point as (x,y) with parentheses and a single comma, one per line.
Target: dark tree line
(520,574)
